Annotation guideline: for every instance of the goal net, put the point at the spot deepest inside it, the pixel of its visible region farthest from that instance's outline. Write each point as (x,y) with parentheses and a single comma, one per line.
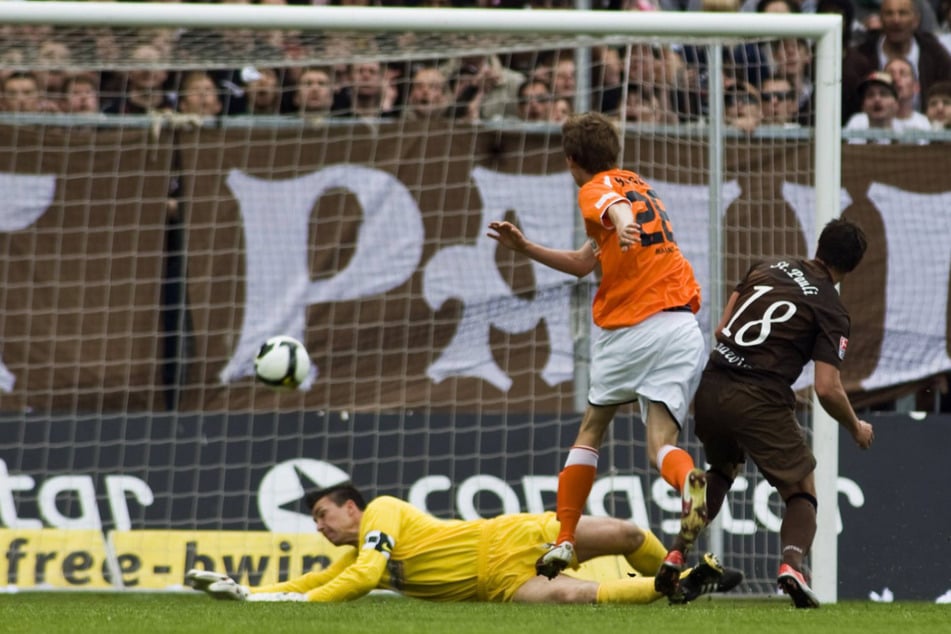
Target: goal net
(336,187)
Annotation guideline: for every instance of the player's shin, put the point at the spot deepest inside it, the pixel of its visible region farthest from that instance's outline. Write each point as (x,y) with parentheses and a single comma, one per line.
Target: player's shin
(646,560)
(574,485)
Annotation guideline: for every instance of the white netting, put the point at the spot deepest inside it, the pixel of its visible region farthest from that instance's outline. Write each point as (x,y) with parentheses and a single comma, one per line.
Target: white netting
(147,253)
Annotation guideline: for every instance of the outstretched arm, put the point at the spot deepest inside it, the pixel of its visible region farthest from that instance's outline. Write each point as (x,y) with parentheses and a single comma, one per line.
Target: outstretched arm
(314,579)
(578,262)
(219,586)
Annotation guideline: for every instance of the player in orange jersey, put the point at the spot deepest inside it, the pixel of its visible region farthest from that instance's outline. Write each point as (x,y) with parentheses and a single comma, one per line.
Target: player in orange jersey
(650,348)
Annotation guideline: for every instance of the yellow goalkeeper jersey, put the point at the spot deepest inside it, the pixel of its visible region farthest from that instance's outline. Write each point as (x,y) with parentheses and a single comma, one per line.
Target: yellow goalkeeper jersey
(416,554)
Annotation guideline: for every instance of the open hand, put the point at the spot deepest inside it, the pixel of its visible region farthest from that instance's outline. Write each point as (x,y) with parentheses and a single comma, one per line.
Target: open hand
(508,235)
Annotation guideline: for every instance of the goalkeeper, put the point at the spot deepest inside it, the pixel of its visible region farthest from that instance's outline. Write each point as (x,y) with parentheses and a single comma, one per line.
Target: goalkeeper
(398,547)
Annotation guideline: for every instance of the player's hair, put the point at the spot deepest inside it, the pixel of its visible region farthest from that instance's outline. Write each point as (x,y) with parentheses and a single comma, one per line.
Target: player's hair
(842,244)
(591,140)
(339,493)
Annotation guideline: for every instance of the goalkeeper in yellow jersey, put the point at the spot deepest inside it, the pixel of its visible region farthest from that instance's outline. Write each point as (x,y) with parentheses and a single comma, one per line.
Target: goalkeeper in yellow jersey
(398,547)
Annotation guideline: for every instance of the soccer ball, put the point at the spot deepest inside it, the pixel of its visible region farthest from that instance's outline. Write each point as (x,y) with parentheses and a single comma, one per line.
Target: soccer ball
(282,363)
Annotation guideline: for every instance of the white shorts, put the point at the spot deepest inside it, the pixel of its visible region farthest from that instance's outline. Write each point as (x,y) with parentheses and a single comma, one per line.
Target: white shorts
(659,359)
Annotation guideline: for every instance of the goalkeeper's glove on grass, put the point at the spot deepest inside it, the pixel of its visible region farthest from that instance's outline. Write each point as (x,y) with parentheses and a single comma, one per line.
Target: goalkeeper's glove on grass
(216,585)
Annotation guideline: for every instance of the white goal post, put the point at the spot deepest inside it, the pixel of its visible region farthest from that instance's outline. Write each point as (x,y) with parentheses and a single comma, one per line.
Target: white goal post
(576,29)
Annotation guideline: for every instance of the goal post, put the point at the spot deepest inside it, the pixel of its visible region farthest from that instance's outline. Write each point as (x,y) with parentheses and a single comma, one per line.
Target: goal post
(429,389)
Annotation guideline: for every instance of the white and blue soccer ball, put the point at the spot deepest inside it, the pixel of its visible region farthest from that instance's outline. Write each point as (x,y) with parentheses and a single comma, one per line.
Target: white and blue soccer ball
(282,363)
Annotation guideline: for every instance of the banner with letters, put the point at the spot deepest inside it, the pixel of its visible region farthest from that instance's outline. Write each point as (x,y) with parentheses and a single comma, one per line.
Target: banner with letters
(370,246)
(224,492)
(325,245)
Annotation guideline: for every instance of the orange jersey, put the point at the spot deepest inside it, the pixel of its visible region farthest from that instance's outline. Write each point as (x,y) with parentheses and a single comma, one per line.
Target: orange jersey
(651,276)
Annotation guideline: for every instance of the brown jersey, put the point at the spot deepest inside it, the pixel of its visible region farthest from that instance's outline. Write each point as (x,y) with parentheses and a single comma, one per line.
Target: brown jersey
(788,312)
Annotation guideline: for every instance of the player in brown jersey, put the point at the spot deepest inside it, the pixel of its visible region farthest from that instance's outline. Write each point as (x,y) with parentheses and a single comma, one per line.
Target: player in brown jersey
(780,316)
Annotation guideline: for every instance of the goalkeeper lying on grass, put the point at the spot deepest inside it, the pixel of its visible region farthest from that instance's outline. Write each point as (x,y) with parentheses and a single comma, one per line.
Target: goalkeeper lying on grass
(398,547)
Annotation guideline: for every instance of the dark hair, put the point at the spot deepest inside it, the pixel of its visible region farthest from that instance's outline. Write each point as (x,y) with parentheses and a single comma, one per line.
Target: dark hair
(528,83)
(338,493)
(842,244)
(80,78)
(591,140)
(20,74)
(942,88)
(792,5)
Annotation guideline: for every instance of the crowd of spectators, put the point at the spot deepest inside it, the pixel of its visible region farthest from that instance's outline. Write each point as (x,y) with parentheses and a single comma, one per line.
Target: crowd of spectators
(896,73)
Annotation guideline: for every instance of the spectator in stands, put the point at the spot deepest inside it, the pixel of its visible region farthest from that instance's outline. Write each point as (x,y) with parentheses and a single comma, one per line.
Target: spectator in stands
(81,95)
(53,57)
(534,101)
(743,107)
(262,91)
(429,96)
(906,85)
(369,95)
(791,58)
(900,36)
(644,106)
(852,63)
(779,104)
(938,105)
(879,106)
(607,77)
(690,5)
(943,32)
(199,95)
(679,86)
(21,93)
(11,59)
(640,5)
(314,94)
(747,6)
(564,78)
(944,24)
(751,62)
(561,109)
(869,16)
(484,83)
(143,91)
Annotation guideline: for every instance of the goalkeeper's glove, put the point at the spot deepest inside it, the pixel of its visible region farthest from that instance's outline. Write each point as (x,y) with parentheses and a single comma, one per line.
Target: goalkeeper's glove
(216,585)
(277,596)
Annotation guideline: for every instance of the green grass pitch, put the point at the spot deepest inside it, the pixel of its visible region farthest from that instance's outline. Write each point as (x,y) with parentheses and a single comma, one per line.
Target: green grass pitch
(126,613)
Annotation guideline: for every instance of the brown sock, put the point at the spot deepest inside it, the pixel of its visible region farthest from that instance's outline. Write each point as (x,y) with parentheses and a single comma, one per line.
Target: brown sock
(798,530)
(717,488)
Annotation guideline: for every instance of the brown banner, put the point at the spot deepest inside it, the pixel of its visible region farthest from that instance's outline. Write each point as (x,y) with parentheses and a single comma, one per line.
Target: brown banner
(84,254)
(373,353)
(81,281)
